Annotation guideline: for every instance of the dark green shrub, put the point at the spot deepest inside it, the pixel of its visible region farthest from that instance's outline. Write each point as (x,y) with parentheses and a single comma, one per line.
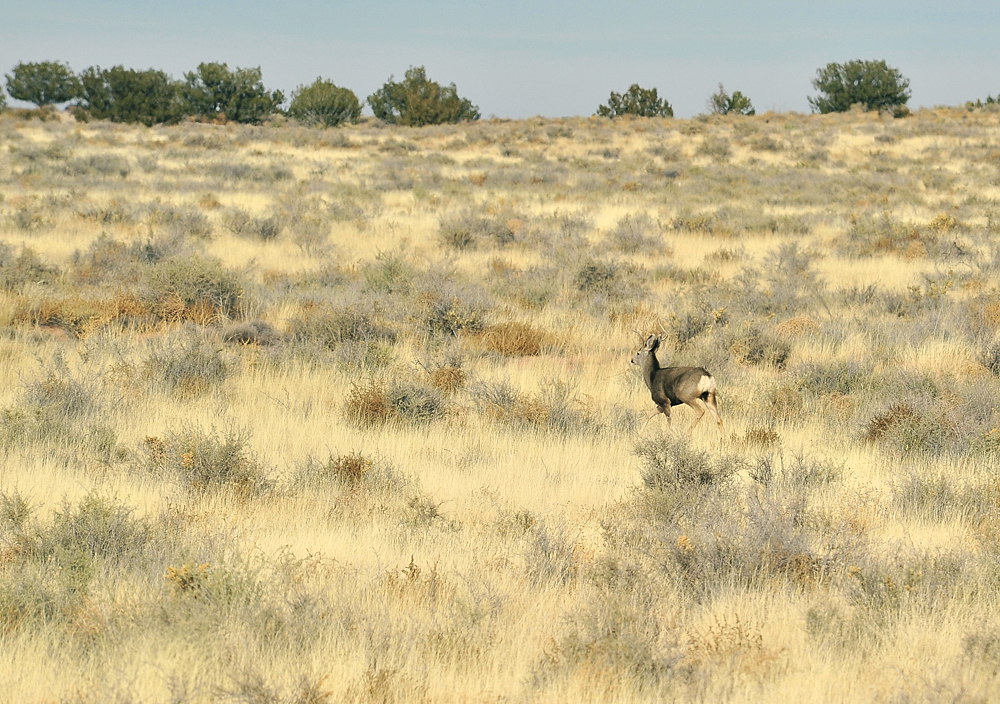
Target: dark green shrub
(636,101)
(214,92)
(417,101)
(722,103)
(125,95)
(324,103)
(43,83)
(872,84)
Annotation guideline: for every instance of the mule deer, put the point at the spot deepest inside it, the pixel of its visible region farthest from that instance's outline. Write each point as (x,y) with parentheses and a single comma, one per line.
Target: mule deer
(672,386)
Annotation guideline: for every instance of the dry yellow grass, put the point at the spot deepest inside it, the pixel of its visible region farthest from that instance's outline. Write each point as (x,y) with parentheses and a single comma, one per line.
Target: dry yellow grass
(206,519)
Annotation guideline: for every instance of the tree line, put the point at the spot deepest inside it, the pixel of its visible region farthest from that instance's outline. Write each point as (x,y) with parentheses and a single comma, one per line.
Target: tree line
(214,92)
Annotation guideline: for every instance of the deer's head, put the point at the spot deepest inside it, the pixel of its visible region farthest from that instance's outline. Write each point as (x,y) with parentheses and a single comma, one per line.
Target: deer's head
(648,348)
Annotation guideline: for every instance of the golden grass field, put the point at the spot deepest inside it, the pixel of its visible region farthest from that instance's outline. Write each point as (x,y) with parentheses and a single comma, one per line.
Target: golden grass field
(295,415)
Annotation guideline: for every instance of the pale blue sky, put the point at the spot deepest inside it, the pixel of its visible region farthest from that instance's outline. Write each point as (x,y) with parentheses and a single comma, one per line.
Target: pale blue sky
(521,58)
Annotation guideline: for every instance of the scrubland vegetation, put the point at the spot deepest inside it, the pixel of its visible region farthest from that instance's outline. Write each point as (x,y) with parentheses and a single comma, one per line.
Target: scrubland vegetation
(294,415)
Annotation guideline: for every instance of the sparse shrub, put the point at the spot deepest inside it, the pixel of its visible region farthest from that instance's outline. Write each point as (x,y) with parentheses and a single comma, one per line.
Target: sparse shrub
(81,315)
(760,437)
(990,357)
(96,527)
(243,224)
(715,147)
(378,402)
(353,470)
(556,407)
(251,332)
(180,221)
(448,378)
(838,377)
(911,428)
(51,410)
(797,471)
(671,462)
(448,313)
(757,348)
(106,165)
(639,233)
(514,339)
(15,511)
(369,404)
(334,326)
(206,461)
(389,273)
(23,268)
(189,365)
(470,230)
(783,403)
(598,276)
(193,288)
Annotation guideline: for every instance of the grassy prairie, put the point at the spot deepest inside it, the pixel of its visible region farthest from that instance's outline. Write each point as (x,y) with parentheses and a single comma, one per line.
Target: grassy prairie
(293,415)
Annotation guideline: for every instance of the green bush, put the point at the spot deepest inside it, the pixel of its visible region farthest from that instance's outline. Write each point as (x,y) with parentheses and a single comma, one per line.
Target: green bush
(120,94)
(43,83)
(214,92)
(871,84)
(416,101)
(722,103)
(636,101)
(324,103)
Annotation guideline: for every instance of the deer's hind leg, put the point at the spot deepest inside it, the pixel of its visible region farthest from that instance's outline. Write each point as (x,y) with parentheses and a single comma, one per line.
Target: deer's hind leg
(699,409)
(712,406)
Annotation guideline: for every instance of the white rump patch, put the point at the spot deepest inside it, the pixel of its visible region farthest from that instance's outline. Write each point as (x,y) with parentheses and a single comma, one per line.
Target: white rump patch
(706,384)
